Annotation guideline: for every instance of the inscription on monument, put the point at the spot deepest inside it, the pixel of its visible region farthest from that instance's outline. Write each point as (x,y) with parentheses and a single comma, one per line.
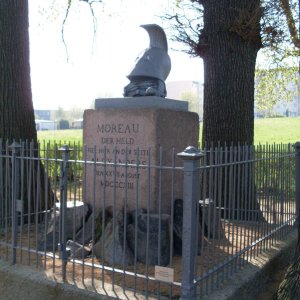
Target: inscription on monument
(123,154)
(118,144)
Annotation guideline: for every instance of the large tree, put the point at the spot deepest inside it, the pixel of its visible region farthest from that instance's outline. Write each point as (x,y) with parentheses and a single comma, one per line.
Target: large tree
(229,43)
(228,34)
(16,108)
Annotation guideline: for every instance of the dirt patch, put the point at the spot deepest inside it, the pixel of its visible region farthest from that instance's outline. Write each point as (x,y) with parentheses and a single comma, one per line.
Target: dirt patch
(140,277)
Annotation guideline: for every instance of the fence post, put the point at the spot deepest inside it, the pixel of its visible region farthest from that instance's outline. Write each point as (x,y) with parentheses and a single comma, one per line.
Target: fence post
(297,173)
(191,186)
(15,149)
(64,170)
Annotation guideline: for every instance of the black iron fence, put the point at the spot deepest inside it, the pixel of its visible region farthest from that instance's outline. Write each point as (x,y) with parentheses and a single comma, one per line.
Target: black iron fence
(126,219)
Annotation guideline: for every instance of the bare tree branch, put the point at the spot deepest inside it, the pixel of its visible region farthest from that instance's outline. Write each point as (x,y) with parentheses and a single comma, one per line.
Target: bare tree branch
(63,27)
(69,4)
(290,22)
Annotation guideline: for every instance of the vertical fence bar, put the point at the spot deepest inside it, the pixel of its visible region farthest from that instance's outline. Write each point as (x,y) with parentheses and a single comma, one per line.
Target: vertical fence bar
(21,206)
(29,196)
(54,187)
(94,172)
(204,182)
(148,219)
(2,215)
(125,205)
(46,176)
(65,152)
(159,215)
(7,193)
(172,215)
(287,187)
(191,159)
(289,184)
(74,186)
(84,183)
(15,149)
(37,196)
(297,173)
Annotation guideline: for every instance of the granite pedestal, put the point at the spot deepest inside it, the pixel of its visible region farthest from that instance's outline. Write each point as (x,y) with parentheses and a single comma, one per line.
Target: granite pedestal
(133,140)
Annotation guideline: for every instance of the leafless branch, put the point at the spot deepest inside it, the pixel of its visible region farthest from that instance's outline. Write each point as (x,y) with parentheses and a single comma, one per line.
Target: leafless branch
(63,27)
(290,22)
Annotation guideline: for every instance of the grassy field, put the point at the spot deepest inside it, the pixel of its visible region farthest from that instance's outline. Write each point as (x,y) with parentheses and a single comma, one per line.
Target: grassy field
(272,130)
(63,136)
(278,130)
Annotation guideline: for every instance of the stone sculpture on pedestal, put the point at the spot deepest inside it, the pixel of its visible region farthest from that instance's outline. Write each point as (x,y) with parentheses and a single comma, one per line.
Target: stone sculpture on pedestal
(128,138)
(152,67)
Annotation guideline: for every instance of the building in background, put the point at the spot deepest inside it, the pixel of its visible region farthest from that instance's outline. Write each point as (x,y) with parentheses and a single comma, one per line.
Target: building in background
(77,124)
(43,114)
(46,125)
(73,117)
(285,106)
(282,108)
(187,90)
(288,109)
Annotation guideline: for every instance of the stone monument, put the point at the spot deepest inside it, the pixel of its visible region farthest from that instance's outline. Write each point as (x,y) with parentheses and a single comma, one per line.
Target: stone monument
(131,139)
(152,68)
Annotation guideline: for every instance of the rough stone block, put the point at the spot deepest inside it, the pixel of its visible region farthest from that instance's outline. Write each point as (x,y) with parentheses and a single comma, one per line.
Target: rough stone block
(158,238)
(212,219)
(76,214)
(110,247)
(178,229)
(76,250)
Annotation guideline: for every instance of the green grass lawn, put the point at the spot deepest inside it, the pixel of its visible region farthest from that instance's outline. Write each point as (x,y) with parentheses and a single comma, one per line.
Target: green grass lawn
(63,136)
(277,130)
(271,130)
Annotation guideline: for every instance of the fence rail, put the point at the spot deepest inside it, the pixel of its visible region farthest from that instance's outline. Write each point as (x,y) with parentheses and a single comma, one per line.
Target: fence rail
(128,219)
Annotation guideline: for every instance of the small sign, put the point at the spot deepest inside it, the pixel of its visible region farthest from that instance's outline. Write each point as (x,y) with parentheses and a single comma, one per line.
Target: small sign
(164,274)
(19,206)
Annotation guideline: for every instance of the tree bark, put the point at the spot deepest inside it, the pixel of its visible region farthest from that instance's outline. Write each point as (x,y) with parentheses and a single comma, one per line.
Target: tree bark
(16,108)
(230,41)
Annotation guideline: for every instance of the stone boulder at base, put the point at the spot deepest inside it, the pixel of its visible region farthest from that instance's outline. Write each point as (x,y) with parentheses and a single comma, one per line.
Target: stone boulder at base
(112,246)
(76,214)
(85,234)
(177,229)
(152,246)
(212,219)
(76,250)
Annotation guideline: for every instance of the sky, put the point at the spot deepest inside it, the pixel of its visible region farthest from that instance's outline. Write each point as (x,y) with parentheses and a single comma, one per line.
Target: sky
(92,66)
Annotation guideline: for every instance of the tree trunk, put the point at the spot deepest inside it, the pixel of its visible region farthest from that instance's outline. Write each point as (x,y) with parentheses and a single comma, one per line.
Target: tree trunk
(16,108)
(230,42)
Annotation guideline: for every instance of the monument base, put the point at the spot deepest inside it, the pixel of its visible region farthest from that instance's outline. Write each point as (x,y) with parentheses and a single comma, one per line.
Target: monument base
(135,145)
(141,102)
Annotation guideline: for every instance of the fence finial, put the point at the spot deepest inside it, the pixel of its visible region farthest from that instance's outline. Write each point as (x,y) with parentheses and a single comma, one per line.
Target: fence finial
(15,147)
(190,153)
(65,148)
(191,163)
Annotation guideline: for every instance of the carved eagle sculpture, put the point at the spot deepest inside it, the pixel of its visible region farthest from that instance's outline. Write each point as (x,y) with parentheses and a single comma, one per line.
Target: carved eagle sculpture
(152,68)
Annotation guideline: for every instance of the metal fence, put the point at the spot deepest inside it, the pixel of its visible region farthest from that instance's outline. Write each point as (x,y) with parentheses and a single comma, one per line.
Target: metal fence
(132,222)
